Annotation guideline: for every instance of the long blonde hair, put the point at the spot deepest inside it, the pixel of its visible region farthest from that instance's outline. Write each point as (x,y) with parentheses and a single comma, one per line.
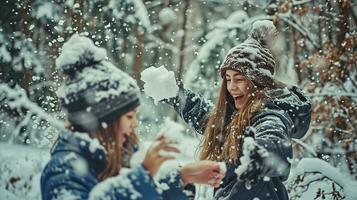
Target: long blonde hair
(224,130)
(116,156)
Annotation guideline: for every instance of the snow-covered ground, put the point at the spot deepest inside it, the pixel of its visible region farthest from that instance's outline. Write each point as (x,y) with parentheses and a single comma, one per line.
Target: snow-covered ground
(20,170)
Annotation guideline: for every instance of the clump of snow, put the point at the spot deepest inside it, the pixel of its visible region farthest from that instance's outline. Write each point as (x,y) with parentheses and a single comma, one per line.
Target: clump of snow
(173,134)
(249,146)
(222,167)
(159,83)
(139,14)
(4,54)
(94,144)
(79,164)
(237,17)
(138,157)
(168,170)
(167,16)
(172,131)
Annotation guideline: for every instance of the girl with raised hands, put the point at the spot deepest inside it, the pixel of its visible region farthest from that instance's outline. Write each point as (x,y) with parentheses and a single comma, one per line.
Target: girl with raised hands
(251,126)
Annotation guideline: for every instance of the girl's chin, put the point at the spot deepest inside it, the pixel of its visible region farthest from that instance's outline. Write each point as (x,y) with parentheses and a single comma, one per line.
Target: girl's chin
(122,142)
(237,104)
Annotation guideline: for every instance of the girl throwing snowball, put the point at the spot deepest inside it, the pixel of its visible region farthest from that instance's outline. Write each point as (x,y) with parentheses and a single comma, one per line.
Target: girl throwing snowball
(251,126)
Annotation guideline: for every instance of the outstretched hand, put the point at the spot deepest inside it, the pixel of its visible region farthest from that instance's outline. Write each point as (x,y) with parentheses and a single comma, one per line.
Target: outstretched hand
(203,172)
(158,153)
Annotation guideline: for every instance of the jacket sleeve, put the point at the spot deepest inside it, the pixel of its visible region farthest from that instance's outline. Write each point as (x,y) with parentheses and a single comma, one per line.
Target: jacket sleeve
(268,153)
(172,187)
(134,183)
(192,108)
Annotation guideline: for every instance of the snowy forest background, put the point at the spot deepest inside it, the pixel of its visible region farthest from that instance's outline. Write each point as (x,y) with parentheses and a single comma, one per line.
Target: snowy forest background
(316,50)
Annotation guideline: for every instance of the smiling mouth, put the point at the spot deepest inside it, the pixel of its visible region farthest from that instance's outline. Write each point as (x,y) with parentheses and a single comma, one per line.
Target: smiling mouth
(125,139)
(237,98)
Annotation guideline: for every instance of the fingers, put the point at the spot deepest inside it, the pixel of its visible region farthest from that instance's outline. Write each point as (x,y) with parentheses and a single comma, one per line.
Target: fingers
(216,180)
(171,149)
(160,136)
(162,151)
(159,144)
(162,144)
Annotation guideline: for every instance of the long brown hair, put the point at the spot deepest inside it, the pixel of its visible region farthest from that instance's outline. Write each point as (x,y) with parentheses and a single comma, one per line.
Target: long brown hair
(223,134)
(116,156)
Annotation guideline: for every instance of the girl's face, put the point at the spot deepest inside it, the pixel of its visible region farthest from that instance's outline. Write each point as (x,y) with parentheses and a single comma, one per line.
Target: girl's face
(127,124)
(237,86)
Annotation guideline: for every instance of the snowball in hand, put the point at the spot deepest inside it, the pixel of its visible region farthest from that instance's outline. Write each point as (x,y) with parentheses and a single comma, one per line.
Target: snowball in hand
(159,83)
(172,131)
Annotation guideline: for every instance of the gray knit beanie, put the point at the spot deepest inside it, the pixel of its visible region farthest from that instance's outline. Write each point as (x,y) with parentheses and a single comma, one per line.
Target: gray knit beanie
(252,57)
(95,91)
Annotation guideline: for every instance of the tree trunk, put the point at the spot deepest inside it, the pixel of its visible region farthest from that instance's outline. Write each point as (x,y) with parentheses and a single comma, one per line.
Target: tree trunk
(186,5)
(138,58)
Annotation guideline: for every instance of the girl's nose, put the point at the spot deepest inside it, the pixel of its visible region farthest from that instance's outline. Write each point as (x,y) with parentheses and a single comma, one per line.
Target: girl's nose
(233,86)
(128,133)
(134,123)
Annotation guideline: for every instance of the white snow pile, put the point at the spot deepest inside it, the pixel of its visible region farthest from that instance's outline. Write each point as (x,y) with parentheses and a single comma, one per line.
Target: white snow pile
(159,83)
(167,16)
(314,178)
(20,171)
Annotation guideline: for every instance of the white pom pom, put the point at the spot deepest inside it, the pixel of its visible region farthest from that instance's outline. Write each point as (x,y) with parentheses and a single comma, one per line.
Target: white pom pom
(263,31)
(77,53)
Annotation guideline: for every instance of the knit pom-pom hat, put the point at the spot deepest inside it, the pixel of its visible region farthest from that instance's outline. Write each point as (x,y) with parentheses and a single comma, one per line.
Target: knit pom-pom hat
(252,57)
(95,92)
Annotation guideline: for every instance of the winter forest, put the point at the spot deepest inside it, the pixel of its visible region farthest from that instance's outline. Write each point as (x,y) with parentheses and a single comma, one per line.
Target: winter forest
(316,49)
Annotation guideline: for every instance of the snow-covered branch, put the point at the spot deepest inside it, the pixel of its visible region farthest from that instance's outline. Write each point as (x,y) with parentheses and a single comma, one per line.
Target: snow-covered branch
(305,146)
(16,98)
(314,165)
(299,28)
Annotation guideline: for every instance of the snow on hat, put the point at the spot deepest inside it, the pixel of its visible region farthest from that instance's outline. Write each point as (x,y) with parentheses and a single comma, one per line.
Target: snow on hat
(95,91)
(252,57)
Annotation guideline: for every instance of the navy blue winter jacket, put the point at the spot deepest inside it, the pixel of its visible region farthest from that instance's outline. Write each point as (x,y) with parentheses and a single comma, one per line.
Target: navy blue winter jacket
(75,163)
(286,115)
